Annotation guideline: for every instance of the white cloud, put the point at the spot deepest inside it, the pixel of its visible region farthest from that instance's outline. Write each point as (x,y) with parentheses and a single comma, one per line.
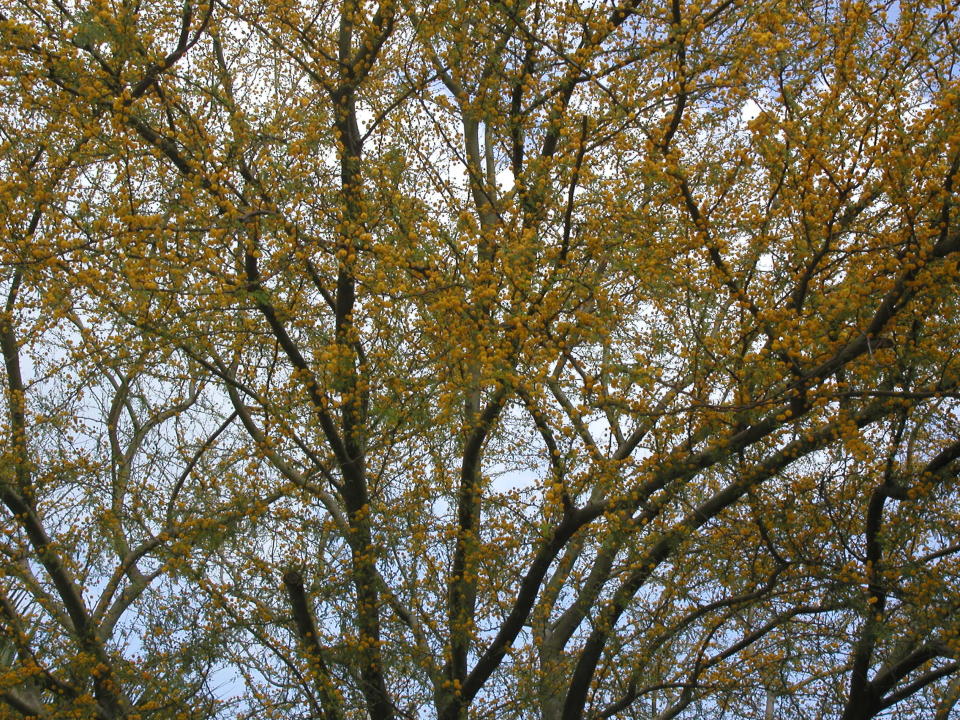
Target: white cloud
(749,111)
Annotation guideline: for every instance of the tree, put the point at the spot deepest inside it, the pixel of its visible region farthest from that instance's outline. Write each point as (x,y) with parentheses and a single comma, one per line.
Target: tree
(523,359)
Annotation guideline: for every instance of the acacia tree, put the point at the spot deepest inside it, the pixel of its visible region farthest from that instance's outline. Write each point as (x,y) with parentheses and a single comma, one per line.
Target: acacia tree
(527,359)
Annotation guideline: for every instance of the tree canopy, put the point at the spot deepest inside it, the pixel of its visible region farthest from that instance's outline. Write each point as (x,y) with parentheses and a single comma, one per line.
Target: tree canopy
(403,359)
